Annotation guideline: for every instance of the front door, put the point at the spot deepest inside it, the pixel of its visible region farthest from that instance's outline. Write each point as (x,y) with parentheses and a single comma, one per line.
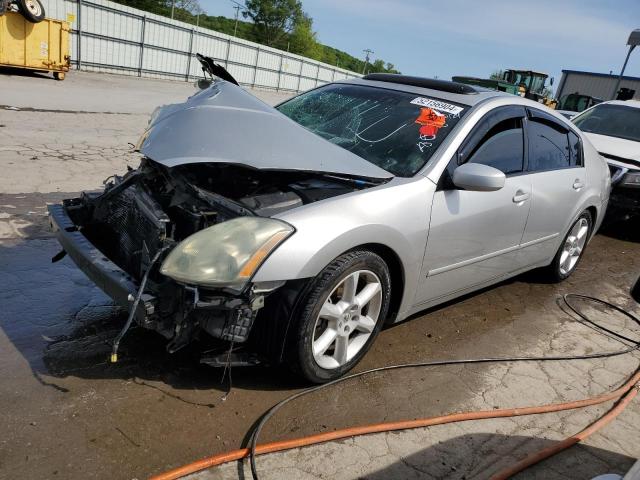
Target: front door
(474,237)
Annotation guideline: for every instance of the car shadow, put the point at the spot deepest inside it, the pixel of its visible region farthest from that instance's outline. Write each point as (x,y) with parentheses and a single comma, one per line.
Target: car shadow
(64,325)
(481,455)
(621,229)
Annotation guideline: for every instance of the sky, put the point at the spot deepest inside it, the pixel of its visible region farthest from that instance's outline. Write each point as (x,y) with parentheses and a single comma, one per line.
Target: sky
(441,38)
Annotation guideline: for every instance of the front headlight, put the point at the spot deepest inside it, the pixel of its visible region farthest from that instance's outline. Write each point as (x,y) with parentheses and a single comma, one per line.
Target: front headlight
(227,254)
(631,179)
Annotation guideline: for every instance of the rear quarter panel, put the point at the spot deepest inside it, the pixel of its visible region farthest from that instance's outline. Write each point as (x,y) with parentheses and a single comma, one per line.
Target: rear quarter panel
(598,181)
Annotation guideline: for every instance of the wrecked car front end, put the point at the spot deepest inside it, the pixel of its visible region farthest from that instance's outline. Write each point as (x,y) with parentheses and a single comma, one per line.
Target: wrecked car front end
(190,227)
(208,245)
(114,236)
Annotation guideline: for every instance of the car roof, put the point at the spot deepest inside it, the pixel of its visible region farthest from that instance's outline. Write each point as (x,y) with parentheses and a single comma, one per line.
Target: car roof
(469,95)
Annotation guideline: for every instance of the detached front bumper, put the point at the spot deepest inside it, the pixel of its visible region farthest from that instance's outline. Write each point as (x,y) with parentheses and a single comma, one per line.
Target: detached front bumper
(114,281)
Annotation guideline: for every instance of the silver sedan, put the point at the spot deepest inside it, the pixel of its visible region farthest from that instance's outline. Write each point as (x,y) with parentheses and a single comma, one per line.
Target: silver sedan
(293,234)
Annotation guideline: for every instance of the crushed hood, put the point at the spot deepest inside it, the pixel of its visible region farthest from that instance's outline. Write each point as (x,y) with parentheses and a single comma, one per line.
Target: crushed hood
(618,147)
(226,124)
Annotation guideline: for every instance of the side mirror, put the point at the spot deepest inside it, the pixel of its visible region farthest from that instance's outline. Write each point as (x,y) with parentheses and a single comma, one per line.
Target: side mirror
(551,81)
(477,177)
(203,83)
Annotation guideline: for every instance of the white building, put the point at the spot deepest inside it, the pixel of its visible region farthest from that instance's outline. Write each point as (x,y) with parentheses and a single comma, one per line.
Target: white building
(598,85)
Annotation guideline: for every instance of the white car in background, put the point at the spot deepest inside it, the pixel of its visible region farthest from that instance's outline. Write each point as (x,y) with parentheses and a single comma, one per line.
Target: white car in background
(614,130)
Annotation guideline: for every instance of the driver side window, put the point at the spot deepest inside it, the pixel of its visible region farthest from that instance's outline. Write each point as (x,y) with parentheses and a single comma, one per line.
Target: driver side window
(502,147)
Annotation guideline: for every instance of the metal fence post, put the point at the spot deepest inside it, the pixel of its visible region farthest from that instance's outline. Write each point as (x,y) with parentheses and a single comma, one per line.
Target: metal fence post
(142,34)
(255,68)
(186,77)
(226,60)
(279,72)
(79,16)
(300,75)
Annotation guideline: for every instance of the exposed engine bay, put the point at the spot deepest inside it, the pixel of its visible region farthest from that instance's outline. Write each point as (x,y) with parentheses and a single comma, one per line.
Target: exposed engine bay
(151,209)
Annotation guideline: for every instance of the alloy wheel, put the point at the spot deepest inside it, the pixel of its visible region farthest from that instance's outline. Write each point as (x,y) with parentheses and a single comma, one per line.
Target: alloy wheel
(573,246)
(347,319)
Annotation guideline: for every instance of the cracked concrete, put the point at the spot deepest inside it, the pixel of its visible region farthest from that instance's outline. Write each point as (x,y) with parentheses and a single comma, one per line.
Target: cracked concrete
(66,412)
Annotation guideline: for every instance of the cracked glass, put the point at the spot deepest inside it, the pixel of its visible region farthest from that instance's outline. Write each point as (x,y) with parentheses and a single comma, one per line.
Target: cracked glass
(397,131)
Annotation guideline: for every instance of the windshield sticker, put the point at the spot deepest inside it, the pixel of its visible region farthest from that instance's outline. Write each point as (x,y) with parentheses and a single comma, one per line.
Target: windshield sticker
(430,122)
(438,105)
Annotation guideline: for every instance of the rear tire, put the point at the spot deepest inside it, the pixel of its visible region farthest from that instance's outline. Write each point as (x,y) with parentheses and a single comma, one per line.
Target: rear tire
(340,316)
(32,10)
(571,249)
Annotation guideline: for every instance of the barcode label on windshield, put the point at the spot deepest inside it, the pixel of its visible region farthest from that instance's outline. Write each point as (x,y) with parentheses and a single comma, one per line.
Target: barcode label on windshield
(437,105)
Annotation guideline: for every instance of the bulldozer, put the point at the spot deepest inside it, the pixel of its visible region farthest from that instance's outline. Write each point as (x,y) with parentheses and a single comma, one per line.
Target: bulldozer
(526,83)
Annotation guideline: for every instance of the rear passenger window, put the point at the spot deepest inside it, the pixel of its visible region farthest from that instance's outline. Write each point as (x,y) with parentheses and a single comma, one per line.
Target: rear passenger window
(549,147)
(502,147)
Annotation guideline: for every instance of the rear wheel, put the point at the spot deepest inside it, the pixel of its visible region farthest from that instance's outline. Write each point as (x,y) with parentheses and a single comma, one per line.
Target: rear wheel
(32,10)
(572,248)
(340,316)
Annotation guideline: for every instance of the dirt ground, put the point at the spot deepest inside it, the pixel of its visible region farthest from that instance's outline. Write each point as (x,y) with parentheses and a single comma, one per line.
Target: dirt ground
(65,412)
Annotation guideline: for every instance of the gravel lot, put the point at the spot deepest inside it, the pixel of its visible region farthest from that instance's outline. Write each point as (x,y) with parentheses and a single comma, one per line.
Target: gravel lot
(65,412)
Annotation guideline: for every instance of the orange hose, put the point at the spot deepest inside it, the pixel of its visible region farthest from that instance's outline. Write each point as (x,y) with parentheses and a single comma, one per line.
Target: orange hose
(567,442)
(282,445)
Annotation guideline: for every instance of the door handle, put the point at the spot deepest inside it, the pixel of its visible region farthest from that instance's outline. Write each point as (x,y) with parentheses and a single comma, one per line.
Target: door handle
(520,196)
(577,184)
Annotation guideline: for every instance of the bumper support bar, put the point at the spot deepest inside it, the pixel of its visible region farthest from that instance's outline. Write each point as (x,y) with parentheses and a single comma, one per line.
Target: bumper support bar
(114,281)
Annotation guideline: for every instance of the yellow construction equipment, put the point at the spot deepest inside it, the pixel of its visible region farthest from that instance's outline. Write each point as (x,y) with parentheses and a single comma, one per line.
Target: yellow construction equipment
(42,46)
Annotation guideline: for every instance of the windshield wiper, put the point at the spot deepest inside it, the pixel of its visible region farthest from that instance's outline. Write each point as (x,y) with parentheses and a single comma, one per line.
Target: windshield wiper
(355,181)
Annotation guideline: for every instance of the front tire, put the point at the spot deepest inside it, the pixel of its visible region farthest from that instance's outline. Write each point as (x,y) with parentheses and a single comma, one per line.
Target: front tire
(571,249)
(32,10)
(340,316)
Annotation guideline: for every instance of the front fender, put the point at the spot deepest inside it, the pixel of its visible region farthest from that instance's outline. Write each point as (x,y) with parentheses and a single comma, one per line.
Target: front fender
(395,215)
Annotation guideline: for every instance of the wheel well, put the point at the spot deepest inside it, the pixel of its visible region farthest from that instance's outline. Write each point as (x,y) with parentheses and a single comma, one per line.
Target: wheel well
(395,271)
(594,213)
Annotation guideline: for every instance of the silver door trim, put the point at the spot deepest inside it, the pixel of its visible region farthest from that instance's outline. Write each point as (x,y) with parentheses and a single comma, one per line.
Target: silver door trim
(539,240)
(471,261)
(487,256)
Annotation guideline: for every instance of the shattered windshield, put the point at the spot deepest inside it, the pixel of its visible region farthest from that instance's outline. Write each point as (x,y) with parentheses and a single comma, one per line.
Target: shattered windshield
(397,131)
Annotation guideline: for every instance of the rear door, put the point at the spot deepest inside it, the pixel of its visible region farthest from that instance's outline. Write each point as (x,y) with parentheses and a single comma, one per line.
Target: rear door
(474,236)
(555,167)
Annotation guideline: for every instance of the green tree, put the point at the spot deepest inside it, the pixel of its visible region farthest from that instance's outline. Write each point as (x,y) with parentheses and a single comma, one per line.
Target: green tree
(497,75)
(376,67)
(273,20)
(303,39)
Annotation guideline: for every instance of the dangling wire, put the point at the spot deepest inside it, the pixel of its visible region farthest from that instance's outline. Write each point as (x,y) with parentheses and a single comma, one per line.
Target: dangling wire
(134,307)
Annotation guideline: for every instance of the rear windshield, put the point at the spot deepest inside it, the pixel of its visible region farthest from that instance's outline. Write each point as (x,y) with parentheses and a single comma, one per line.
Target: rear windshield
(611,120)
(396,131)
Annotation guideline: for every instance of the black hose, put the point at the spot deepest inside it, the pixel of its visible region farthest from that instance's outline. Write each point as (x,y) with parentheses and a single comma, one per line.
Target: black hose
(134,307)
(635,346)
